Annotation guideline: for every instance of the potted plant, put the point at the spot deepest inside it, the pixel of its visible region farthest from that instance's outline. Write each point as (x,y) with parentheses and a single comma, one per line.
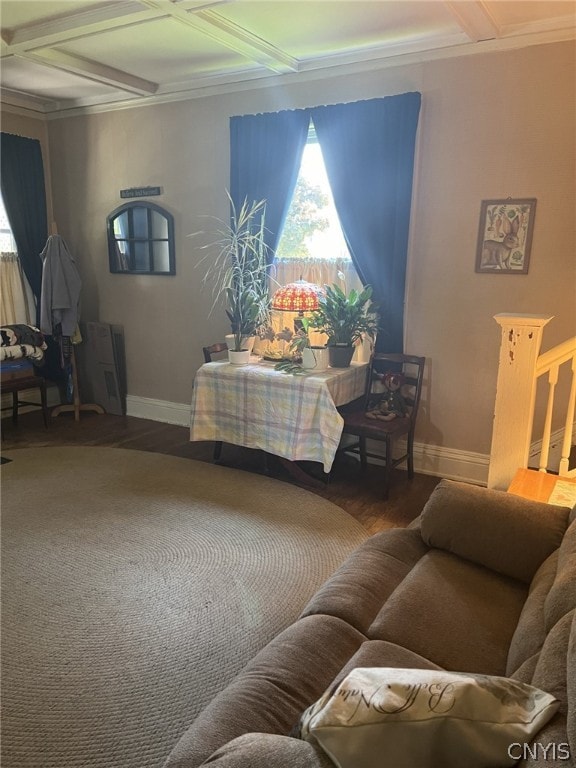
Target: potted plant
(238,273)
(314,357)
(345,319)
(244,314)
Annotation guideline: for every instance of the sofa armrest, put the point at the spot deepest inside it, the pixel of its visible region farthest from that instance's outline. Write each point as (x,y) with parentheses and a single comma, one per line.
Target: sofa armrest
(506,533)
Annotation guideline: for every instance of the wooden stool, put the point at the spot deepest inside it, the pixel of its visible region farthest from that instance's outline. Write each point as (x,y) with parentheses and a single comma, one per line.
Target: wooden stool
(16,385)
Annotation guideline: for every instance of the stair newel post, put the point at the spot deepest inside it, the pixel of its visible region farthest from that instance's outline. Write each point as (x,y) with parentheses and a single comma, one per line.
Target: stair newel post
(521,337)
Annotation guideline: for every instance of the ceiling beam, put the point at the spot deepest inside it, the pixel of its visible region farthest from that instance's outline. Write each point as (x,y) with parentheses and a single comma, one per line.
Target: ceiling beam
(22,100)
(475,19)
(92,70)
(61,29)
(227,34)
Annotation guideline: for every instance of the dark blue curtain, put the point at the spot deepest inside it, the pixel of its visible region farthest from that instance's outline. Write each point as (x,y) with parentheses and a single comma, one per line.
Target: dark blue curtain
(368,149)
(265,156)
(24,195)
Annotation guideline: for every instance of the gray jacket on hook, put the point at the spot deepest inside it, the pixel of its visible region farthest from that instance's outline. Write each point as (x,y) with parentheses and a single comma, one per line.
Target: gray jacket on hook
(61,286)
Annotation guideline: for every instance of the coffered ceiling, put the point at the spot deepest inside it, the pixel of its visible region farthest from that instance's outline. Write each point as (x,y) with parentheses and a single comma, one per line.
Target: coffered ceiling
(84,54)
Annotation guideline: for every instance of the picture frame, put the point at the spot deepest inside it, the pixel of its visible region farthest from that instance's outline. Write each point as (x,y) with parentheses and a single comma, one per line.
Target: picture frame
(505,236)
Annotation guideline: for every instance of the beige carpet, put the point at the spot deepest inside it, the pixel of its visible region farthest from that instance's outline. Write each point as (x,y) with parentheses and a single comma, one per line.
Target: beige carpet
(135,586)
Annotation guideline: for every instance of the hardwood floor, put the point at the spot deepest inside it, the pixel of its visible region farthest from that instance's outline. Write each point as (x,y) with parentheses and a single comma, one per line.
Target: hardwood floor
(359,495)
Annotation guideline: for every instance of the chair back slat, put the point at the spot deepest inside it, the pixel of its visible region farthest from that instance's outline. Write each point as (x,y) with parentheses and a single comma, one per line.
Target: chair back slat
(214,349)
(412,369)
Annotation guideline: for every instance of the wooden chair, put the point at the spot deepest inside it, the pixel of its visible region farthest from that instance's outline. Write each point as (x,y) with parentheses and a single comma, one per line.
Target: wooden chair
(214,349)
(358,424)
(16,385)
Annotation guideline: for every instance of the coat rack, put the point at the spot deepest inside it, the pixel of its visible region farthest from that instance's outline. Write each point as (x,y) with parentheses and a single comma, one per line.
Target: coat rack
(76,406)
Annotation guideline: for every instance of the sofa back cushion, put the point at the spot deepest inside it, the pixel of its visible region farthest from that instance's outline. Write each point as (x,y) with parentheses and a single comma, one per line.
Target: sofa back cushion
(363,583)
(455,613)
(555,672)
(530,633)
(551,596)
(506,533)
(562,596)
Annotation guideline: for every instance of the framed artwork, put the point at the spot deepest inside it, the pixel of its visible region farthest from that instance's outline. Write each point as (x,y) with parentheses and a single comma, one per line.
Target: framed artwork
(505,236)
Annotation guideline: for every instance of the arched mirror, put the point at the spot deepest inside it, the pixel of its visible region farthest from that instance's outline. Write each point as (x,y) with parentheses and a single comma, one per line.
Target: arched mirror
(141,240)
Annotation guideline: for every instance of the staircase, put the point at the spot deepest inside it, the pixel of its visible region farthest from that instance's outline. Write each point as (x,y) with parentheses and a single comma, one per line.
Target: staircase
(521,368)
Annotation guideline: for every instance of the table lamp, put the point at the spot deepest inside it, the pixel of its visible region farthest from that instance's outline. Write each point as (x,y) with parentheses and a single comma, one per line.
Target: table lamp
(299,296)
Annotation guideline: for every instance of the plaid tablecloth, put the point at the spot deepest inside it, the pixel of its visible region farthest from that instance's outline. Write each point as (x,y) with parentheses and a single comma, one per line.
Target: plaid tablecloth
(258,407)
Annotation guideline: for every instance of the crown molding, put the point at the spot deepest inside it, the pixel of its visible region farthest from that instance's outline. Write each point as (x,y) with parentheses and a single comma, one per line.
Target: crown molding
(328,67)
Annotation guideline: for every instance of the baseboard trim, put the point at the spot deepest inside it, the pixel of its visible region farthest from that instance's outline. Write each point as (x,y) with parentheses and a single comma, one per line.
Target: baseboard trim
(438,461)
(434,460)
(158,410)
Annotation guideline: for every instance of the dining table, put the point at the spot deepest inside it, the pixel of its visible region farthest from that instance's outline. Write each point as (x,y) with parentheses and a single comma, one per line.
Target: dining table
(292,416)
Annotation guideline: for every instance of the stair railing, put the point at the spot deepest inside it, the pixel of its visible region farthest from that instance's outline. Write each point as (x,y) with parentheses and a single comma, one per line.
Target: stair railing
(520,367)
(549,363)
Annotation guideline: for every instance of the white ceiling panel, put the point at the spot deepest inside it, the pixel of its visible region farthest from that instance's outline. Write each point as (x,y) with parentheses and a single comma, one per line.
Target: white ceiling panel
(515,14)
(16,13)
(74,54)
(175,52)
(54,85)
(314,28)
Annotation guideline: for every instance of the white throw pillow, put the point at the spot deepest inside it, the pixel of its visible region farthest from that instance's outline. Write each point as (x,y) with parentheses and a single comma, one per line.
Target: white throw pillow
(415,718)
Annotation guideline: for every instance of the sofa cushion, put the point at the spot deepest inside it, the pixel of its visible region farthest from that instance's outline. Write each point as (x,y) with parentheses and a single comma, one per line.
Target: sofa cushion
(379,653)
(554,671)
(272,691)
(506,533)
(551,669)
(455,613)
(411,717)
(562,596)
(530,633)
(265,750)
(358,589)
(571,687)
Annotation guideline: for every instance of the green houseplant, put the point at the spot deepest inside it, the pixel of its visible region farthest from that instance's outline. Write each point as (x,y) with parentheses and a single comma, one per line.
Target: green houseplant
(345,319)
(238,270)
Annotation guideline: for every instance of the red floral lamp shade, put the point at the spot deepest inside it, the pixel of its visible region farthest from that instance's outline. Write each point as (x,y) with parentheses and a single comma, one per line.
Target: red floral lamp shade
(299,296)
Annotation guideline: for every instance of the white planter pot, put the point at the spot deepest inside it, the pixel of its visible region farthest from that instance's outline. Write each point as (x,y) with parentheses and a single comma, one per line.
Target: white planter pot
(315,358)
(239,358)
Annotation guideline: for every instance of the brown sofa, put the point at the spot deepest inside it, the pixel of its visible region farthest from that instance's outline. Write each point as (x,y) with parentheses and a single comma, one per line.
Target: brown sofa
(482,582)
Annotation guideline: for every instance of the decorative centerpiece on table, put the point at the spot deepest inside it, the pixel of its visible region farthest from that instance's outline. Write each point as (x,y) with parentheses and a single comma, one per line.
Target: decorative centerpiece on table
(302,354)
(346,319)
(238,273)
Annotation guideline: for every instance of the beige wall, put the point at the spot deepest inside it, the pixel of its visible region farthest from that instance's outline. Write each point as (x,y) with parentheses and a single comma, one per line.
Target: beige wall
(491,126)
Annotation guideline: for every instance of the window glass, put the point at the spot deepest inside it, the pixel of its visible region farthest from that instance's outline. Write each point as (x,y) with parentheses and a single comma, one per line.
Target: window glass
(312,228)
(161,256)
(121,225)
(141,257)
(159,226)
(312,244)
(7,243)
(140,222)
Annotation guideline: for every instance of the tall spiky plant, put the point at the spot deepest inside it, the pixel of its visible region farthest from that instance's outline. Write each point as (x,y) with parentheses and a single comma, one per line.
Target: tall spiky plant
(238,270)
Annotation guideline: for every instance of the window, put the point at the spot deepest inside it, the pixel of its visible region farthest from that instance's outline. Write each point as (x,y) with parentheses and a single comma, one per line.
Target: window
(7,244)
(141,240)
(312,243)
(16,299)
